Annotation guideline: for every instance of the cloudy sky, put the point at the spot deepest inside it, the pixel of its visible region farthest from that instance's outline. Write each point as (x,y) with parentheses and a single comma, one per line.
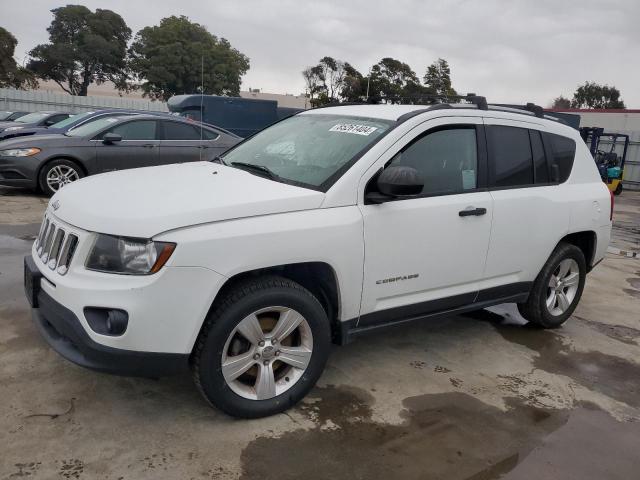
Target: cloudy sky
(508,50)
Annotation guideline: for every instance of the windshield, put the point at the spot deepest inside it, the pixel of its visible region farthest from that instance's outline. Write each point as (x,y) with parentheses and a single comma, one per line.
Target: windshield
(73,118)
(32,117)
(5,115)
(92,127)
(309,149)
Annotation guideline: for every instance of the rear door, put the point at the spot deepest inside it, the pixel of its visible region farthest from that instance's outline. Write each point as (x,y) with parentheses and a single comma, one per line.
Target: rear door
(530,214)
(138,148)
(184,142)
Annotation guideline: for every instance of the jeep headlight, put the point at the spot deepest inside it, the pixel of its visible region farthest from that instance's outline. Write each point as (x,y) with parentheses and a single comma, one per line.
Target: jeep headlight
(129,256)
(19,152)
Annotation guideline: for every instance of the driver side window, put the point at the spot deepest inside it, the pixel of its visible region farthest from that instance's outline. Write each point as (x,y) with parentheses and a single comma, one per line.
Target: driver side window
(446,158)
(136,130)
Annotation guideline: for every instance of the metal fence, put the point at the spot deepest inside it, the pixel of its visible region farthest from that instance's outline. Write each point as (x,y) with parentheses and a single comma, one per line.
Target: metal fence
(32,101)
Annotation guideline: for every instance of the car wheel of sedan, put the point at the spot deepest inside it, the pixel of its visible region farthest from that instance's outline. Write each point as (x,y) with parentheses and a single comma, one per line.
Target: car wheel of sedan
(58,173)
(263,347)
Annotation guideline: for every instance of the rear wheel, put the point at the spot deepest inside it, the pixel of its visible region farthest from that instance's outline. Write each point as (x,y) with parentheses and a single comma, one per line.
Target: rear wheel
(557,289)
(262,348)
(58,173)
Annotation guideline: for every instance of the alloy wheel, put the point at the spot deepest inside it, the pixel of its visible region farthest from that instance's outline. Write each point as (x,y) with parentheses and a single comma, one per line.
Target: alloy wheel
(61,175)
(267,353)
(563,286)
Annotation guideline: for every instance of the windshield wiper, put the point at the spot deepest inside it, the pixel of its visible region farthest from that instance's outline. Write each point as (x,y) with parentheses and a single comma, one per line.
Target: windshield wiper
(259,169)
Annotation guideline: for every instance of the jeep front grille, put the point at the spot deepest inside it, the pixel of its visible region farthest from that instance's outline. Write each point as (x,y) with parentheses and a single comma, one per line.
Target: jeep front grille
(55,246)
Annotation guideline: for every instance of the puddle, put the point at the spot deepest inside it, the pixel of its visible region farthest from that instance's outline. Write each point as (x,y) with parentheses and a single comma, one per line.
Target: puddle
(620,333)
(449,435)
(633,293)
(612,376)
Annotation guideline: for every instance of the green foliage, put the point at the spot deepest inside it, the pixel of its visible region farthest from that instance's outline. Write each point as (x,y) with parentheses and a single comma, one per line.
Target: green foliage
(169,59)
(561,102)
(11,74)
(438,79)
(84,47)
(390,79)
(592,95)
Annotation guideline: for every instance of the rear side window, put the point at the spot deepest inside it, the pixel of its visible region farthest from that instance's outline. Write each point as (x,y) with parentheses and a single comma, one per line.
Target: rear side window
(540,167)
(563,151)
(510,157)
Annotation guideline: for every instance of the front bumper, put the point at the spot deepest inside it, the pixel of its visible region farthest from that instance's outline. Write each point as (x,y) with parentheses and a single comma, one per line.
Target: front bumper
(19,172)
(63,331)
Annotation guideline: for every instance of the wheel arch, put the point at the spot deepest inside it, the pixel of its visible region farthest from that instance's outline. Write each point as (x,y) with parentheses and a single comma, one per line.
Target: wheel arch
(319,278)
(586,241)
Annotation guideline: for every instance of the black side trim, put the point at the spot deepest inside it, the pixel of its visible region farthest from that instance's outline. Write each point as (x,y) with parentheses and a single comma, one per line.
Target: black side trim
(444,307)
(65,334)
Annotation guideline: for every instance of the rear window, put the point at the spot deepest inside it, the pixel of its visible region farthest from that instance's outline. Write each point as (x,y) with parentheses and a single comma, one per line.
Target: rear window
(510,157)
(563,151)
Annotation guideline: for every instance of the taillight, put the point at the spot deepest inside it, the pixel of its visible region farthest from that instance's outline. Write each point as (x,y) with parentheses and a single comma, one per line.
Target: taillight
(612,202)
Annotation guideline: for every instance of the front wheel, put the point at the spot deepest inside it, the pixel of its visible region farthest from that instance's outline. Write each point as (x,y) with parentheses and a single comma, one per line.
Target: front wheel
(557,289)
(263,347)
(58,173)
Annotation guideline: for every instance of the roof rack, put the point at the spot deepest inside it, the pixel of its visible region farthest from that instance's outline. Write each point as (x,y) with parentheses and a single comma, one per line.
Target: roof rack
(478,101)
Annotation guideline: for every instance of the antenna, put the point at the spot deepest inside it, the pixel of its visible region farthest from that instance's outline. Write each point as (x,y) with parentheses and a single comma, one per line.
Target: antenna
(201,99)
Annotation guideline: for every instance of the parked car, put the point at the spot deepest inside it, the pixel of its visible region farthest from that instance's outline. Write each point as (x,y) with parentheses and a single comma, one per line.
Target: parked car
(75,121)
(6,116)
(48,162)
(35,119)
(327,225)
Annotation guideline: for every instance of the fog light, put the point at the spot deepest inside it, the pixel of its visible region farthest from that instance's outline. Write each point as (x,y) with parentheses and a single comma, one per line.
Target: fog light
(107,321)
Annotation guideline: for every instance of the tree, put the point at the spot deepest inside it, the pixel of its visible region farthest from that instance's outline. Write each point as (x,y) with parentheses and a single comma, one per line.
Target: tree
(12,75)
(354,86)
(85,47)
(389,79)
(561,102)
(592,95)
(438,79)
(177,56)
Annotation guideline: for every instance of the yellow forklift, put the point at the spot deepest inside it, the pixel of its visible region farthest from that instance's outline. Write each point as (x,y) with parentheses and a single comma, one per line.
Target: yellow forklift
(610,164)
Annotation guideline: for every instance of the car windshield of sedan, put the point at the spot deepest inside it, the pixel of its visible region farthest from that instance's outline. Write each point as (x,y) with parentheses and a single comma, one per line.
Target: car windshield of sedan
(92,127)
(307,150)
(73,118)
(32,117)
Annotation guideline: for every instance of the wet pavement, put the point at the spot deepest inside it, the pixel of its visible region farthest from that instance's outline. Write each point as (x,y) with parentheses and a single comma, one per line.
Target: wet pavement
(479,396)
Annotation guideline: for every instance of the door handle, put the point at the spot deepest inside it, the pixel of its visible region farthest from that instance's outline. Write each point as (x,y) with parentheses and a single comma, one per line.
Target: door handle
(469,211)
(148,145)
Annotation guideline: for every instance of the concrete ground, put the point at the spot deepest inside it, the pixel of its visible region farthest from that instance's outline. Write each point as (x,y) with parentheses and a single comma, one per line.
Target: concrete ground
(480,396)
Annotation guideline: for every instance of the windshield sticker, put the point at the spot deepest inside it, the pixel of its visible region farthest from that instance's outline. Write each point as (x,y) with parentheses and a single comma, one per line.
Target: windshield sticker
(353,128)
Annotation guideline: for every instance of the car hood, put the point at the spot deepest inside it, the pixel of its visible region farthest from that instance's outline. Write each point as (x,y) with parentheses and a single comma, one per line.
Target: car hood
(144,202)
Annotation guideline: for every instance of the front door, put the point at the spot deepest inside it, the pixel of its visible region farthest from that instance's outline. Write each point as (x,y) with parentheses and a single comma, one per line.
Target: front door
(427,253)
(138,147)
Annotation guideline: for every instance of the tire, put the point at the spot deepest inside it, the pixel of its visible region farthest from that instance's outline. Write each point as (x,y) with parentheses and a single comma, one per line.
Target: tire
(66,171)
(270,300)
(618,189)
(543,310)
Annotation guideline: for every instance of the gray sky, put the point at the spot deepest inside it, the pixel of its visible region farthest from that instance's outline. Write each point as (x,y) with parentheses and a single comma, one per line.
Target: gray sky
(508,50)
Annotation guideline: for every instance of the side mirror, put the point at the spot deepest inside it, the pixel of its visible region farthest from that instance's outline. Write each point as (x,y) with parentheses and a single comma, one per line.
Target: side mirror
(110,138)
(400,181)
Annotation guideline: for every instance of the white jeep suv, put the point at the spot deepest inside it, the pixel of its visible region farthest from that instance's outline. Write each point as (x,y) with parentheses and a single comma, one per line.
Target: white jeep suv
(326,225)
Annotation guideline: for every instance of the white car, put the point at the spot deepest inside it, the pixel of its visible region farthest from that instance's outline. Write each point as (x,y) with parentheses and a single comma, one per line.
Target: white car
(324,226)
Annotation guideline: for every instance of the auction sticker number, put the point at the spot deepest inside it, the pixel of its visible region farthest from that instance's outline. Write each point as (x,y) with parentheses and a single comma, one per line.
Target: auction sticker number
(353,128)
